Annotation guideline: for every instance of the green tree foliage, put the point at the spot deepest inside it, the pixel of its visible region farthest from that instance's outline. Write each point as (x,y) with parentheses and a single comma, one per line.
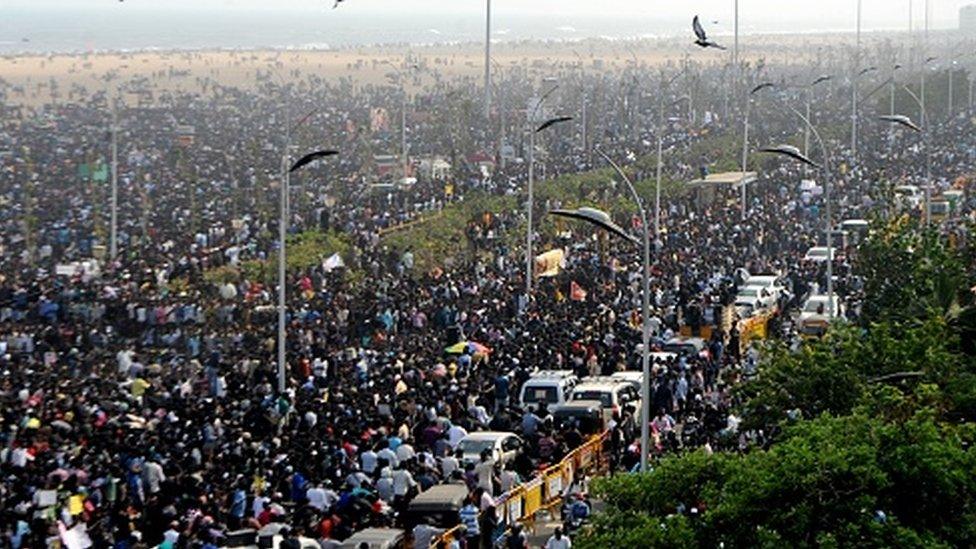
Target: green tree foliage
(851,481)
(872,428)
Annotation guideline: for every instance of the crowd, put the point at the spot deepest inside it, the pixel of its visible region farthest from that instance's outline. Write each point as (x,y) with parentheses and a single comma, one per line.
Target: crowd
(140,400)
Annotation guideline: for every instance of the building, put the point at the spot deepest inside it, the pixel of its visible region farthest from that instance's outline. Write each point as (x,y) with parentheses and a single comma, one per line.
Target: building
(967,18)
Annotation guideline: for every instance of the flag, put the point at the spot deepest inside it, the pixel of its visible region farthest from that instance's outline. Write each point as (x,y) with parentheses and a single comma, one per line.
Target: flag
(332,263)
(576,293)
(550,263)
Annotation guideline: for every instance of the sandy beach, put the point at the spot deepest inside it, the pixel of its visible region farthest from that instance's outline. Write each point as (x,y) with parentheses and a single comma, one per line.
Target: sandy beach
(36,80)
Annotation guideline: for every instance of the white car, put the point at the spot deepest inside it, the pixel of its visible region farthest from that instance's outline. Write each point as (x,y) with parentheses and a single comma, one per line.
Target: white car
(755,298)
(551,387)
(612,394)
(814,316)
(819,254)
(504,446)
(909,196)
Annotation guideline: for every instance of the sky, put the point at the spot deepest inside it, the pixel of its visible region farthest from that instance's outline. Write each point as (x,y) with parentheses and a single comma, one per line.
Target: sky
(820,13)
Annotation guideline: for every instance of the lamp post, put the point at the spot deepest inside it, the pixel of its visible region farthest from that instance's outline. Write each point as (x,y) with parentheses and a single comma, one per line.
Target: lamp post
(660,153)
(114,231)
(857,77)
(857,69)
(403,118)
(745,143)
(794,153)
(487,59)
(806,129)
(531,190)
(603,220)
(286,172)
(923,129)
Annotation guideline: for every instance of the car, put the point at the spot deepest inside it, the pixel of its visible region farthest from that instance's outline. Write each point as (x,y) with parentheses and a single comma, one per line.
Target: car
(908,196)
(940,210)
(859,226)
(437,506)
(587,415)
(814,318)
(375,538)
(756,297)
(549,386)
(504,446)
(684,345)
(613,395)
(819,254)
(634,378)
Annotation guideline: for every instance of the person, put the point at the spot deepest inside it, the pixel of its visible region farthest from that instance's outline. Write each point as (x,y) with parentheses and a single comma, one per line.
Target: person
(558,541)
(516,538)
(469,519)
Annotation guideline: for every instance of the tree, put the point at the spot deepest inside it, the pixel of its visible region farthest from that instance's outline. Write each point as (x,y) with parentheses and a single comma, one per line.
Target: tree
(831,481)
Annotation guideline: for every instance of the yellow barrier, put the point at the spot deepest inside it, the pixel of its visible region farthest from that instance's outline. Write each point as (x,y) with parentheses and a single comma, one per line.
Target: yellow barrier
(545,489)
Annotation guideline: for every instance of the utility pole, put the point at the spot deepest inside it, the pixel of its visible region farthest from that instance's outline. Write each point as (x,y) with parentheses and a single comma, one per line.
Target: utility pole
(488,59)
(113,233)
(857,70)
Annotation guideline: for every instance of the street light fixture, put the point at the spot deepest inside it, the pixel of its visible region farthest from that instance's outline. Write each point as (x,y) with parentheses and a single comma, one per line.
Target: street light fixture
(287,168)
(745,142)
(794,153)
(602,220)
(529,259)
(907,122)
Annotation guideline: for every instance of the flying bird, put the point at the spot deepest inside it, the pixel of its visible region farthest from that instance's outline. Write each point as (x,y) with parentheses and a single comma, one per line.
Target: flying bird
(823,78)
(702,39)
(337,2)
(311,157)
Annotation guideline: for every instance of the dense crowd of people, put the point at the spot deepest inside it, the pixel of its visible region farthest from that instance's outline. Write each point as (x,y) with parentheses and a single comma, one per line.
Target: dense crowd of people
(140,398)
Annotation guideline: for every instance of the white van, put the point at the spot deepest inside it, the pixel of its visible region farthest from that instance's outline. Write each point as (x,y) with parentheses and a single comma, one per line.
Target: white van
(612,395)
(550,386)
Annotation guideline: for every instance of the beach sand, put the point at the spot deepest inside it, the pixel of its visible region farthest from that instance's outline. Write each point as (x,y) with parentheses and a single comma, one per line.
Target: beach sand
(36,80)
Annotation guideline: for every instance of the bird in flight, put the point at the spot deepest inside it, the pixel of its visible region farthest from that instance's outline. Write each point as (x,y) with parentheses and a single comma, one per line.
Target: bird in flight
(702,39)
(336,5)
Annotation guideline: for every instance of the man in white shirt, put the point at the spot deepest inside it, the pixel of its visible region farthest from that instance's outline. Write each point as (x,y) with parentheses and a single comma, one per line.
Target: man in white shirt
(455,434)
(558,540)
(368,460)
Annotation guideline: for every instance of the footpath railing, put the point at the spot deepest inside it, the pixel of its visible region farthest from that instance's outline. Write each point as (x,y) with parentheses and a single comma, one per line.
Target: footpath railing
(545,490)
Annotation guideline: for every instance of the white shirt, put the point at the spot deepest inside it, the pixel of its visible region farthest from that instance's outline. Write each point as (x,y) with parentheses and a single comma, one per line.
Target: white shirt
(455,434)
(449,464)
(561,543)
(402,481)
(368,460)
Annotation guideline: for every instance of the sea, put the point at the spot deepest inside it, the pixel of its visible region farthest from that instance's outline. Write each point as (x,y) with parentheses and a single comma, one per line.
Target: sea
(115,27)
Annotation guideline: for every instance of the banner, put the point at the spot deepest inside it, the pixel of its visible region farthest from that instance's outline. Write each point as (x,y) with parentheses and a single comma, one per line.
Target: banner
(550,263)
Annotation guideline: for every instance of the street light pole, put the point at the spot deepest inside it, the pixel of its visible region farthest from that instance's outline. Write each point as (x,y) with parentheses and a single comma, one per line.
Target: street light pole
(113,233)
(825,170)
(857,70)
(282,235)
(531,191)
(646,314)
(487,59)
(924,130)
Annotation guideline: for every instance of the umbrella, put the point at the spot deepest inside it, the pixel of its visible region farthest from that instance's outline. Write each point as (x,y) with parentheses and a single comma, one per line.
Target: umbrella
(472,347)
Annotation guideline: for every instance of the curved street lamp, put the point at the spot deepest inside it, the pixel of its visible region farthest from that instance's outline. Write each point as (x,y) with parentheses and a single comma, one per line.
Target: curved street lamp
(907,122)
(795,154)
(287,168)
(602,219)
(531,199)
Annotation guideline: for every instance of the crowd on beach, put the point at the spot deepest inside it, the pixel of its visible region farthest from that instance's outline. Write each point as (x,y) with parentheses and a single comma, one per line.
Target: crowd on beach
(140,398)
